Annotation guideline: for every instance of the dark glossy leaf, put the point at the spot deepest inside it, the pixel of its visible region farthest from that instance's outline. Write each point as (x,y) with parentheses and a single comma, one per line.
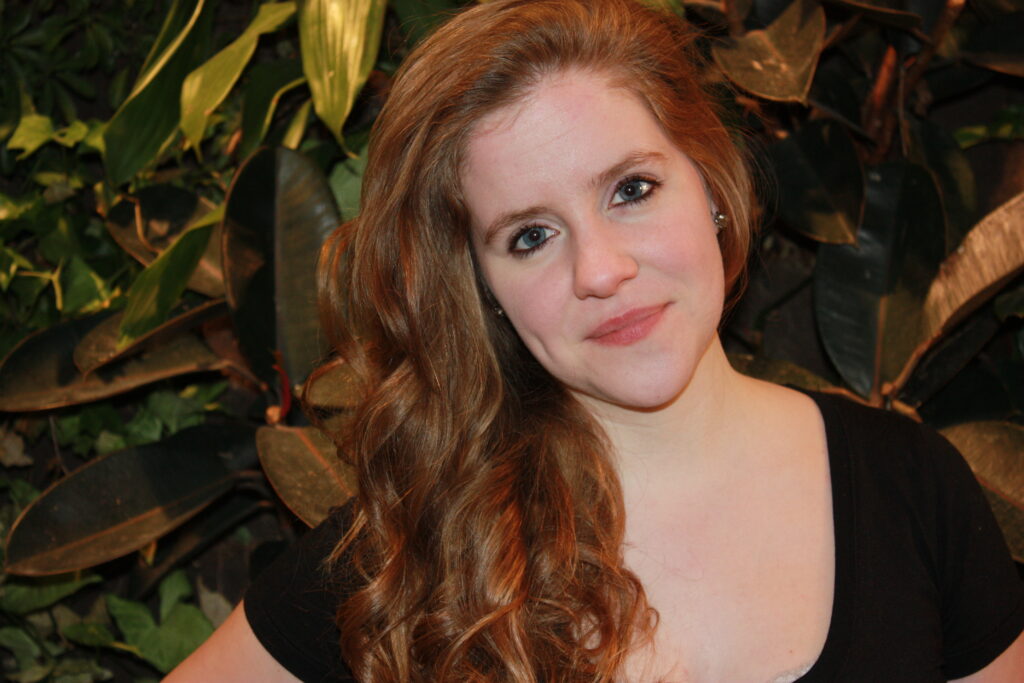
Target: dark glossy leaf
(935,149)
(305,471)
(100,346)
(40,374)
(279,211)
(838,89)
(339,40)
(889,12)
(1010,304)
(147,223)
(267,82)
(120,502)
(419,17)
(147,120)
(778,62)
(868,296)
(820,183)
(990,256)
(22,596)
(994,451)
(206,87)
(997,45)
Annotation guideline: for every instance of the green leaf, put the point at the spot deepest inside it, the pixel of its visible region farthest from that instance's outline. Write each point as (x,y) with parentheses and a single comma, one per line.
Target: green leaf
(88,634)
(173,590)
(33,131)
(118,503)
(206,87)
(24,595)
(157,289)
(297,126)
(778,62)
(185,629)
(22,646)
(339,41)
(266,84)
(132,618)
(820,183)
(84,289)
(346,183)
(72,134)
(147,120)
(303,467)
(868,296)
(279,211)
(419,17)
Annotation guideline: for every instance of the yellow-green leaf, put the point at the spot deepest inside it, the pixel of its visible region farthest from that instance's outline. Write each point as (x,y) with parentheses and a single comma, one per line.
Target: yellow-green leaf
(339,40)
(206,87)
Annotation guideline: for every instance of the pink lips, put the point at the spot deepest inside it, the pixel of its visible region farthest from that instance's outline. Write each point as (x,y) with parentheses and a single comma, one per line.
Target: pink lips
(630,327)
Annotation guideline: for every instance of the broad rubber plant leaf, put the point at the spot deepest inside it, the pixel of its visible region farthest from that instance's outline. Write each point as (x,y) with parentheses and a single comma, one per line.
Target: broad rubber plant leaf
(339,41)
(990,255)
(303,467)
(118,503)
(40,374)
(997,45)
(777,62)
(265,85)
(147,120)
(279,211)
(157,289)
(206,87)
(100,346)
(933,147)
(995,451)
(146,223)
(868,296)
(889,12)
(820,182)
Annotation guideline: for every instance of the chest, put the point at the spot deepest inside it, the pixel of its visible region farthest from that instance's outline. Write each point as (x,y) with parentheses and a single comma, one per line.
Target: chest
(743,585)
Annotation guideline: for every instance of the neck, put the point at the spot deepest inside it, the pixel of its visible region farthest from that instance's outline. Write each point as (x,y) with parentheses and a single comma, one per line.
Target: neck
(686,438)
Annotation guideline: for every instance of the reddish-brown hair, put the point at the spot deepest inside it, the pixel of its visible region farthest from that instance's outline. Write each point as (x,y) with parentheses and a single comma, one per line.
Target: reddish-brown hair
(489,521)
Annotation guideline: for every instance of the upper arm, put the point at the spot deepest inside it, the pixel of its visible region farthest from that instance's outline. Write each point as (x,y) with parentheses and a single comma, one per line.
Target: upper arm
(1006,668)
(232,653)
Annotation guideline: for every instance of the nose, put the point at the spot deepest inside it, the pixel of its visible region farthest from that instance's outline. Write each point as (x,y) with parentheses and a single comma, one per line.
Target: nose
(602,261)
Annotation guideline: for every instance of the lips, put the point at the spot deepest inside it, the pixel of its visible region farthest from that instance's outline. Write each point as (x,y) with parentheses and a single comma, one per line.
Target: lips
(630,327)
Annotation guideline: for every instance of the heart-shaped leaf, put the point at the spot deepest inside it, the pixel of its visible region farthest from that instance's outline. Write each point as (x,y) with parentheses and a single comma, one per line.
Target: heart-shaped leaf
(118,503)
(40,374)
(339,40)
(279,211)
(777,62)
(303,467)
(206,87)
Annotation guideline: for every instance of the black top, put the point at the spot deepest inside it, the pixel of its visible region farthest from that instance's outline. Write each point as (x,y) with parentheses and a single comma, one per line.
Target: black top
(924,586)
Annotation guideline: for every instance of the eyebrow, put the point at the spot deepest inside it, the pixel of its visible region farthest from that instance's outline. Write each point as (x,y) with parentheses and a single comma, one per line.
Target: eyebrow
(504,220)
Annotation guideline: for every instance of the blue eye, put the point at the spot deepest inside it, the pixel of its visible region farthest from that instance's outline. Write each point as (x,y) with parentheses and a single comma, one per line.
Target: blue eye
(530,238)
(632,190)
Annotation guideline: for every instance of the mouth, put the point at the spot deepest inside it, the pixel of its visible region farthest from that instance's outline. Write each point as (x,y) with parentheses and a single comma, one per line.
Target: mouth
(630,327)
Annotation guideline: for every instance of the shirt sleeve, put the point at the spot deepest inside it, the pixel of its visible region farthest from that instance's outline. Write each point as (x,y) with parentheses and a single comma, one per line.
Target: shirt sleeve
(291,606)
(982,592)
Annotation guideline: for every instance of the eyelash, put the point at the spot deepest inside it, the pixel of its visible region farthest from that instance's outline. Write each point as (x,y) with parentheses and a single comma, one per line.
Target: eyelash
(516,236)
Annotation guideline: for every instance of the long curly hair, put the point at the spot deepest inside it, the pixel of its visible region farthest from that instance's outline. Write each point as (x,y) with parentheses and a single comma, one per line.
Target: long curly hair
(488,525)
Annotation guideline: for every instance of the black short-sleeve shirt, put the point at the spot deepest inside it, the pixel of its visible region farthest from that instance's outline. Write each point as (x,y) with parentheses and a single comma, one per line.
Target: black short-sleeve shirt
(925,588)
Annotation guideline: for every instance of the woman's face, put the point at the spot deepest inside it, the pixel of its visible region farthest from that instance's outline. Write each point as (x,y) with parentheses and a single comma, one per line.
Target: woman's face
(594,233)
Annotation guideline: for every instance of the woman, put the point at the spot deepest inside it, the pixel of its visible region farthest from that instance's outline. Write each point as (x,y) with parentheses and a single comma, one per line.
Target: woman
(561,477)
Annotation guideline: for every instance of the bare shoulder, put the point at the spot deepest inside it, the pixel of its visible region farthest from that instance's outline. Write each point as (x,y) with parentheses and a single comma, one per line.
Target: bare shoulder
(232,653)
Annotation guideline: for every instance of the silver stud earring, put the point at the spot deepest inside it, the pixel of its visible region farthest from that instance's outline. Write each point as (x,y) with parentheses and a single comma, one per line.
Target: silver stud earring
(720,220)
(498,311)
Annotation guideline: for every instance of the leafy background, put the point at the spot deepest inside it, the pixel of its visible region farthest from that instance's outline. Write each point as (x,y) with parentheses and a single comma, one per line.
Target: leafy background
(169,168)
